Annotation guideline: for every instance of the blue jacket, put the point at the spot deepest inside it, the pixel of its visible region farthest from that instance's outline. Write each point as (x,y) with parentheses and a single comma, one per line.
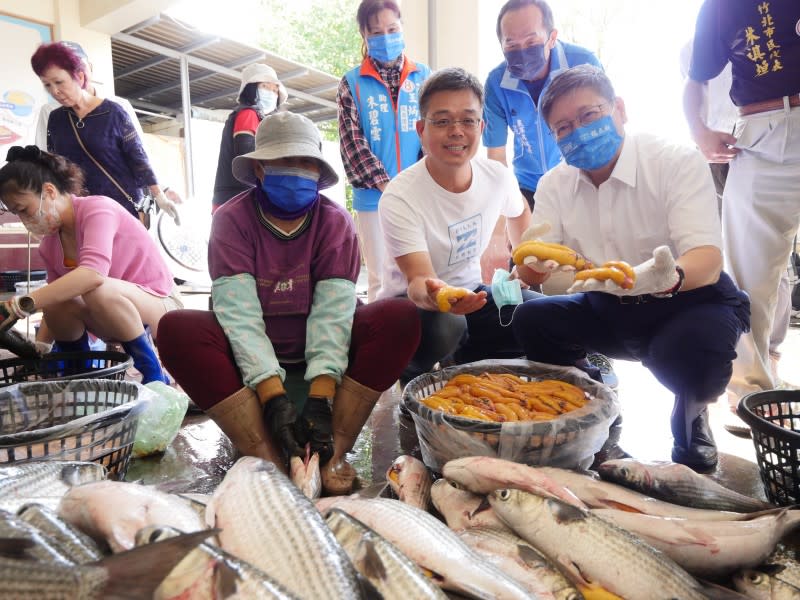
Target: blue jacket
(390,132)
(509,105)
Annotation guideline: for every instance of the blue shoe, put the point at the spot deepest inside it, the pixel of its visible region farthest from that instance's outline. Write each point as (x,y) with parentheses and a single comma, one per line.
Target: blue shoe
(606,368)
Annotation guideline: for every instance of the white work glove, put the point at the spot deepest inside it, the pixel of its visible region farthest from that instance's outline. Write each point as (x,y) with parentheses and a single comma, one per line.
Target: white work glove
(654,276)
(169,207)
(534,234)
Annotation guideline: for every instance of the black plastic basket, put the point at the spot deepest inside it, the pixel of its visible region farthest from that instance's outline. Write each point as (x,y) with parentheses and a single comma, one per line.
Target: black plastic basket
(65,366)
(82,419)
(9,278)
(774,420)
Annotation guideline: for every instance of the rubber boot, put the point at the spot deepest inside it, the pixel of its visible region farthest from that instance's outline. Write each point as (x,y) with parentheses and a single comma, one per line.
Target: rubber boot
(71,367)
(239,417)
(144,359)
(352,406)
(693,444)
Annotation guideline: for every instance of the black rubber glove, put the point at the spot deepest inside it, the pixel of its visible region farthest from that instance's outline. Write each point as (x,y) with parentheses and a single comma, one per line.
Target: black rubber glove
(7,316)
(279,418)
(315,427)
(13,341)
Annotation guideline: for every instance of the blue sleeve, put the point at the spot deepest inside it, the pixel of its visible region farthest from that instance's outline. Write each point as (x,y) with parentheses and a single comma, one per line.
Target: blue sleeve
(133,149)
(709,54)
(495,133)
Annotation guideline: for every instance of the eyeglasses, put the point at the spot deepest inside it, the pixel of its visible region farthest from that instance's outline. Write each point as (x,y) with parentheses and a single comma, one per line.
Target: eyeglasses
(467,123)
(589,115)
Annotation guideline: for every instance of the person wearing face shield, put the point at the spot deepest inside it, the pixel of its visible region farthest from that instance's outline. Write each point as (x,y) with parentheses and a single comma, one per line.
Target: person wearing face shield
(260,94)
(378,110)
(533,56)
(105,274)
(288,358)
(651,203)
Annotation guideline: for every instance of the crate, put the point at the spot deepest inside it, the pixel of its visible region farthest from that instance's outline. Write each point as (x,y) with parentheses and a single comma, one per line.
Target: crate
(65,366)
(82,419)
(9,278)
(567,441)
(774,420)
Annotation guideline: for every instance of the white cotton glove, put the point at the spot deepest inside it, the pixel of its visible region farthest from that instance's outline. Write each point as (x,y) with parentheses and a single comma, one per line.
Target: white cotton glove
(169,207)
(534,234)
(653,276)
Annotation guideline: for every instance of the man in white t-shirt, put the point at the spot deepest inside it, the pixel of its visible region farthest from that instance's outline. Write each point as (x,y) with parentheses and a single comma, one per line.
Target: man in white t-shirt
(643,200)
(439,215)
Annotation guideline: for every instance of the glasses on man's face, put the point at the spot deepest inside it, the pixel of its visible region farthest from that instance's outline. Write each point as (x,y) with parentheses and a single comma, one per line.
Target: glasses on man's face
(468,123)
(589,115)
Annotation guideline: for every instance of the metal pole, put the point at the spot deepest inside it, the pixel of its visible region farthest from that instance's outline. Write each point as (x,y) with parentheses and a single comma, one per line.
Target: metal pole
(186,101)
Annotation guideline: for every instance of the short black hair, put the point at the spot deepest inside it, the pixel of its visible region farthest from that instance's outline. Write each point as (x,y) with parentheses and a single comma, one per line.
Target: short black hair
(448,80)
(547,13)
(582,76)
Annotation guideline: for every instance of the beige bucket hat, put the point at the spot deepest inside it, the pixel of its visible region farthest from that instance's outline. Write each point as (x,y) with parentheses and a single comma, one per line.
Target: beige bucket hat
(258,73)
(283,135)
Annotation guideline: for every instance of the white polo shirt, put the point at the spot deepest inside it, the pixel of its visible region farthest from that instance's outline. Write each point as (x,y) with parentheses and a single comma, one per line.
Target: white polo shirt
(659,193)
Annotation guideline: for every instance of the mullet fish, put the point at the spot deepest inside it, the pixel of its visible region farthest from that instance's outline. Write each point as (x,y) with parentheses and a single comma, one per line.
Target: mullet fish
(390,571)
(268,522)
(130,575)
(44,482)
(429,543)
(410,481)
(462,509)
(676,483)
(69,540)
(593,552)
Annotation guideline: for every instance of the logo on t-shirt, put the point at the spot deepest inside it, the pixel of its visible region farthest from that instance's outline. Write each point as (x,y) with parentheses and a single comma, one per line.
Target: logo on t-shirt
(465,237)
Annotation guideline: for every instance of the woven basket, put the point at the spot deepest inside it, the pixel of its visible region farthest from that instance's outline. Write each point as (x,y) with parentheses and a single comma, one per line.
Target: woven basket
(568,441)
(83,419)
(65,365)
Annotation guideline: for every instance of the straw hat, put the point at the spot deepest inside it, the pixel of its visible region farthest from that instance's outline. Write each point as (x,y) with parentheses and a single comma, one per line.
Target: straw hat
(284,135)
(261,73)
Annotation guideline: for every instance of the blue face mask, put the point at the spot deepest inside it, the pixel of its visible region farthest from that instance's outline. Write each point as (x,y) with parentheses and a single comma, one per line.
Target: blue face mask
(505,292)
(591,146)
(290,192)
(526,63)
(386,47)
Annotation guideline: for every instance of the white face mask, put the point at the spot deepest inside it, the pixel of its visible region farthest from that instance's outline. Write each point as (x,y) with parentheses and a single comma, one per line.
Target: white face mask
(44,223)
(266,101)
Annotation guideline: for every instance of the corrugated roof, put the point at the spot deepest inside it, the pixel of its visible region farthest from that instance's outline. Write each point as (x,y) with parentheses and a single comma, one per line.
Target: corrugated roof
(147,71)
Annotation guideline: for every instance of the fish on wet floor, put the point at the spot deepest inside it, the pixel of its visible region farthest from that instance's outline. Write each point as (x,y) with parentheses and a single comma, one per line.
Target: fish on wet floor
(128,575)
(596,493)
(484,474)
(410,481)
(266,521)
(678,484)
(305,474)
(592,552)
(462,509)
(392,573)
(432,546)
(67,539)
(520,561)
(208,573)
(710,549)
(134,506)
(44,482)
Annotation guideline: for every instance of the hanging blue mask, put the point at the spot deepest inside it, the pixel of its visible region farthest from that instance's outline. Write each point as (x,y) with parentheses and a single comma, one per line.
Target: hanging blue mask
(526,63)
(289,192)
(591,146)
(386,47)
(505,292)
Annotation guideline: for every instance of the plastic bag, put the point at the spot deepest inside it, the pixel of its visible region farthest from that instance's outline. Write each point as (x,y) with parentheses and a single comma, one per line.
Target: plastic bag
(160,423)
(569,441)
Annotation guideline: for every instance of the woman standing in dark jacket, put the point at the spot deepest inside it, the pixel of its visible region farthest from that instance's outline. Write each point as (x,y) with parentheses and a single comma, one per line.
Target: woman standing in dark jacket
(260,94)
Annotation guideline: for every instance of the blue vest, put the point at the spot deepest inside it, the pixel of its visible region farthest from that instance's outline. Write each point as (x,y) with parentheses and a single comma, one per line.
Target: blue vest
(389,130)
(509,106)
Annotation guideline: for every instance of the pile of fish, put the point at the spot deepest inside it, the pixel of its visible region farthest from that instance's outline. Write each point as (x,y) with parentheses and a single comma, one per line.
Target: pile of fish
(489,529)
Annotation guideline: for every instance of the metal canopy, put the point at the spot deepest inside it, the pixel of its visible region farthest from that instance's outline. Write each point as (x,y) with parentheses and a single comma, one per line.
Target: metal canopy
(147,71)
